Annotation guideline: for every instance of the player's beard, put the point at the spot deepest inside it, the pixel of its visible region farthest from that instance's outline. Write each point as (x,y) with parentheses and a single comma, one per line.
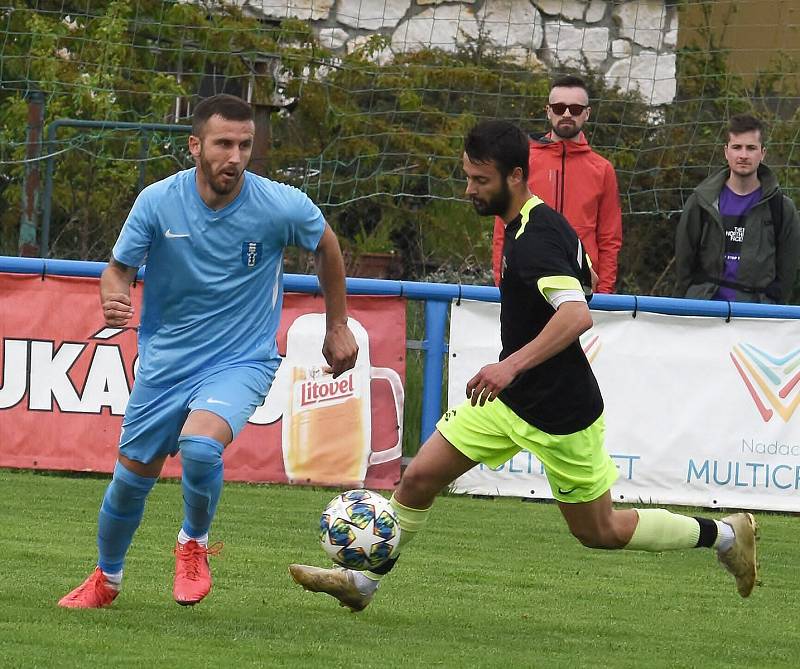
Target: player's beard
(497,205)
(213,180)
(566,130)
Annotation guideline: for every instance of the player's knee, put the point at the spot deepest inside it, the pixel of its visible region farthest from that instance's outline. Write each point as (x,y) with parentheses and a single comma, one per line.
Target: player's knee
(200,455)
(419,486)
(127,491)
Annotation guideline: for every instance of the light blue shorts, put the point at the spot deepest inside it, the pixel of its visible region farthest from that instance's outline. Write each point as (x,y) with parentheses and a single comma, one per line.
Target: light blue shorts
(155,416)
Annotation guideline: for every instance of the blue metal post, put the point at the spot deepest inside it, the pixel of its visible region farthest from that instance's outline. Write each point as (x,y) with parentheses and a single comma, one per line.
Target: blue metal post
(432,375)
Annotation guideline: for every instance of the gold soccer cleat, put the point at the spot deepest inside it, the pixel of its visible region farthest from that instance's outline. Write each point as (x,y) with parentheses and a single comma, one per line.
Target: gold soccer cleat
(336,582)
(740,559)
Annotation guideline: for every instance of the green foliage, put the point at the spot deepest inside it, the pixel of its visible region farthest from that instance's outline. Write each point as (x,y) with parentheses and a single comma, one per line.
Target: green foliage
(387,146)
(376,240)
(114,61)
(375,141)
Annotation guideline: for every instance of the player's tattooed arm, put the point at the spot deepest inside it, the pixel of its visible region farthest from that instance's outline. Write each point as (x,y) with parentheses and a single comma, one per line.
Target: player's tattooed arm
(115,299)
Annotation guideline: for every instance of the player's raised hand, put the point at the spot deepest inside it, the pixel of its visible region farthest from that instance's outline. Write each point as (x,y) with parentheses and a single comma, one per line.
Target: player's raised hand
(488,382)
(117,309)
(340,349)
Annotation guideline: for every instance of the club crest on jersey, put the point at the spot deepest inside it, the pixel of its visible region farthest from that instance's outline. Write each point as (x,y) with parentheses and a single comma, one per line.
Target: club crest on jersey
(251,253)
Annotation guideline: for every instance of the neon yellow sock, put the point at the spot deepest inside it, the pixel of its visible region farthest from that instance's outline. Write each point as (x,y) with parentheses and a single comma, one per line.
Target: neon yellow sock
(411,521)
(659,530)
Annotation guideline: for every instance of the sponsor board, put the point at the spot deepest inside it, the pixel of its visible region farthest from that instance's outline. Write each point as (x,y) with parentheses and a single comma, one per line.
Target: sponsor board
(65,380)
(698,411)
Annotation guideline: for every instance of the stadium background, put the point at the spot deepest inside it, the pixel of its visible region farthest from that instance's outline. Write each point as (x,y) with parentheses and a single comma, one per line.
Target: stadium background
(507,588)
(363,104)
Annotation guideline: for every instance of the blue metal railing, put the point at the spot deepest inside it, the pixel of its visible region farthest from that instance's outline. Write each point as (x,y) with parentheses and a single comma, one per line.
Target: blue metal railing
(437,298)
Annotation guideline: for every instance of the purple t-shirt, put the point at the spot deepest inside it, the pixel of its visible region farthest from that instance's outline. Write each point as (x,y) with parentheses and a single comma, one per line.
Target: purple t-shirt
(733,208)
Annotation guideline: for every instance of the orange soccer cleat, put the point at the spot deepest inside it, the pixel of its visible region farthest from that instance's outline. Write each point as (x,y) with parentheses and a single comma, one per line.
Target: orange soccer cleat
(94,593)
(192,575)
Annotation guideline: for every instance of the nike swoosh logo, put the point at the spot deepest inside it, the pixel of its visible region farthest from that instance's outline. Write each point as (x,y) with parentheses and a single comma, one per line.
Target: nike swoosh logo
(565,492)
(211,400)
(171,235)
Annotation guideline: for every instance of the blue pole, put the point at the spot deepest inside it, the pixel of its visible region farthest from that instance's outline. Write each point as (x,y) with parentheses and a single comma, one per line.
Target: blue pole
(432,375)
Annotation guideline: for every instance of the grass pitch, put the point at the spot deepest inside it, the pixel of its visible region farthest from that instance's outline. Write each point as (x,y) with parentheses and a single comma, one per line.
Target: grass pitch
(487,584)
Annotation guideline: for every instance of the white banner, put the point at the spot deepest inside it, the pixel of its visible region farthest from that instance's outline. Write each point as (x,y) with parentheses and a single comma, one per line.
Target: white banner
(698,411)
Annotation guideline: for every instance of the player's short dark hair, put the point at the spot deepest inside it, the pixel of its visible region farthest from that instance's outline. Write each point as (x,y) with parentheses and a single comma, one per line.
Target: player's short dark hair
(227,106)
(500,142)
(740,123)
(569,81)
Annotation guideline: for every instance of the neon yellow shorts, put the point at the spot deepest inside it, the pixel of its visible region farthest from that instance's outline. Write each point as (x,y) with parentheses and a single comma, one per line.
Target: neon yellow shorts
(577,465)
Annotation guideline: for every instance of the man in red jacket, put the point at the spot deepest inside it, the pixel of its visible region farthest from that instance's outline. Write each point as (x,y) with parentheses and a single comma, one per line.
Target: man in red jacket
(575,181)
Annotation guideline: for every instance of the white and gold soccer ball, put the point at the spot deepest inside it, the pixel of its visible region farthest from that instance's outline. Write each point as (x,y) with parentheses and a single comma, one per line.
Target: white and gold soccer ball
(359,530)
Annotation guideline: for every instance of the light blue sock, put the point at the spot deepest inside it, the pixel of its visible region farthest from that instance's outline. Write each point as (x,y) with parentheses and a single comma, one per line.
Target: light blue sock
(120,515)
(201,459)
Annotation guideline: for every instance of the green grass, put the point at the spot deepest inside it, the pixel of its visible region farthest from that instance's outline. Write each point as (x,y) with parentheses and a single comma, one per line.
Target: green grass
(488,584)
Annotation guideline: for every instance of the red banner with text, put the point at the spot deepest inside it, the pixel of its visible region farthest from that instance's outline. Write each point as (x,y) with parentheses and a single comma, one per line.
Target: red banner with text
(65,380)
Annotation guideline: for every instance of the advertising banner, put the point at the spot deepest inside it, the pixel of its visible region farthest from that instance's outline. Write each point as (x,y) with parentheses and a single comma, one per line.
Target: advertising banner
(65,380)
(699,411)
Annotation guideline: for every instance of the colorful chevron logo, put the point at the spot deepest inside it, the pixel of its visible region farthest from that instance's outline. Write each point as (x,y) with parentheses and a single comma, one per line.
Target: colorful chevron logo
(771,380)
(591,347)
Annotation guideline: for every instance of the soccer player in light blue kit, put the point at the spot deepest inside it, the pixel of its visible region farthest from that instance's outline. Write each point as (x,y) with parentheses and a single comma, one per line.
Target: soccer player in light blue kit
(212,238)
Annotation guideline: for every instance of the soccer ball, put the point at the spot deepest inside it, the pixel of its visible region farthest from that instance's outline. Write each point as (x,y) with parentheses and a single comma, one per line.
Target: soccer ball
(359,530)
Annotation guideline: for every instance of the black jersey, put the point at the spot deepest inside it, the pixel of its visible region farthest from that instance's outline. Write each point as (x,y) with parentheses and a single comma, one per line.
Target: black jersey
(561,395)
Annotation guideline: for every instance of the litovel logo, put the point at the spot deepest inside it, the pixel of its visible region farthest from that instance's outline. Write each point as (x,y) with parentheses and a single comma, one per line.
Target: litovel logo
(771,380)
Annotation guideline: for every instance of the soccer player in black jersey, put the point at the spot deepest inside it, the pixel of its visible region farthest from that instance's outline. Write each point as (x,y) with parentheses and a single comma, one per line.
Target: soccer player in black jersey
(541,396)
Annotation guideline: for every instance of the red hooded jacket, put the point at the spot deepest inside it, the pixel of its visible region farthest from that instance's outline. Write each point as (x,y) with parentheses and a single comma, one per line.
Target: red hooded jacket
(581,185)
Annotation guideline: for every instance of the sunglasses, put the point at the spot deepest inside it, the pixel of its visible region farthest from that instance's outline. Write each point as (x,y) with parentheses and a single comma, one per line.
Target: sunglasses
(558,108)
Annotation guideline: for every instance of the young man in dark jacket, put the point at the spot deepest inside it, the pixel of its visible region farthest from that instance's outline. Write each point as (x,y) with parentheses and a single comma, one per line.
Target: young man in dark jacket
(738,238)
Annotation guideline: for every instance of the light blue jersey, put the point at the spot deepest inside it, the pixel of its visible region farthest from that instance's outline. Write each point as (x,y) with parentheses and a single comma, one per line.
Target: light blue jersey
(213,287)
